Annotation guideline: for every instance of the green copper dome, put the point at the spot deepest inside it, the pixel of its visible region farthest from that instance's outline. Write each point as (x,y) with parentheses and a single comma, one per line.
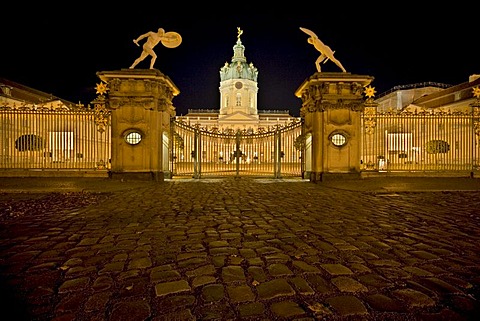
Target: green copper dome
(238,68)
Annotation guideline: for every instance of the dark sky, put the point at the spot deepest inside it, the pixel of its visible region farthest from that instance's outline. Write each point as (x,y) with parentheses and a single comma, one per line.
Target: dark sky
(59,51)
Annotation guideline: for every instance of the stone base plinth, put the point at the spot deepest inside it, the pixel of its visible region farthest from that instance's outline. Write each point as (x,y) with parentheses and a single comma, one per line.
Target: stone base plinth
(323,176)
(147,176)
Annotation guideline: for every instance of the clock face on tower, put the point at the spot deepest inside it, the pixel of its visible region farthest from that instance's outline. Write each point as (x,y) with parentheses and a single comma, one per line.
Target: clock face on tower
(238,85)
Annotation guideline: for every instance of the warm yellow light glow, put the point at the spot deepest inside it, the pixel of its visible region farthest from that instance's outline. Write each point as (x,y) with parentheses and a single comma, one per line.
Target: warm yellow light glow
(370,91)
(476,92)
(101,88)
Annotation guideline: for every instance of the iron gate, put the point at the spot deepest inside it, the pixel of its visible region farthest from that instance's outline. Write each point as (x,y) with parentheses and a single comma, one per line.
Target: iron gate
(198,152)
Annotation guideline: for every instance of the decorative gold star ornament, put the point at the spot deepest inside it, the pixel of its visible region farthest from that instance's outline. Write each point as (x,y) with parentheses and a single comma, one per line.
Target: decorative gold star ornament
(370,91)
(101,88)
(476,92)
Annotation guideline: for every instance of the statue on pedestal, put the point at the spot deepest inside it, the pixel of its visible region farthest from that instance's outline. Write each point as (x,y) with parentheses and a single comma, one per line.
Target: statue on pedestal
(169,39)
(326,53)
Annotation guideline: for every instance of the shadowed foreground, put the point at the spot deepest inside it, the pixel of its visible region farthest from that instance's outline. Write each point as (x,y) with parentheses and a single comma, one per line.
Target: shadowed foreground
(239,249)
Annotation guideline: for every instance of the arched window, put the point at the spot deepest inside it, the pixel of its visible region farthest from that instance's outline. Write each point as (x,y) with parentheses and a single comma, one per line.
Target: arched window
(239,100)
(29,142)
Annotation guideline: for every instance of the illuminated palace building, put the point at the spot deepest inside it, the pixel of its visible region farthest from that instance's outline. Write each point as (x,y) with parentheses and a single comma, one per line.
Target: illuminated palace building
(238,101)
(419,127)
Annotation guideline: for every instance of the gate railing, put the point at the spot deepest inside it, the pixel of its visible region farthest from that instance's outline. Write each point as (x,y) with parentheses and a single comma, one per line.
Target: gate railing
(54,139)
(420,141)
(197,152)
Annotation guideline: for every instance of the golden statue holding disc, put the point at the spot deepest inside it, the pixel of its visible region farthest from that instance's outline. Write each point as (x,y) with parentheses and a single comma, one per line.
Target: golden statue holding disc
(326,53)
(169,39)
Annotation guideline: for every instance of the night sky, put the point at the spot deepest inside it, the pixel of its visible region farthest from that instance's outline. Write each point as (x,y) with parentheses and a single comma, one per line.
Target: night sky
(59,51)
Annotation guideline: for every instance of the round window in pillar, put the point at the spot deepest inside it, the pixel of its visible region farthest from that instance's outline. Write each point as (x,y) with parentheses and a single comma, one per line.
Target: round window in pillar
(133,136)
(338,139)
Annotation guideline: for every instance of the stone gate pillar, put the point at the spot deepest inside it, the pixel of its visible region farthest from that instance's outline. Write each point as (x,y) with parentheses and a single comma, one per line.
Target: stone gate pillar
(141,105)
(332,104)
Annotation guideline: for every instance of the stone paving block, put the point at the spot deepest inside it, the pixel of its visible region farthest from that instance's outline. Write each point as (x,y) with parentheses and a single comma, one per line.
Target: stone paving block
(457,282)
(277,258)
(219,261)
(113,267)
(128,275)
(434,269)
(131,311)
(182,315)
(213,292)
(102,283)
(266,250)
(301,286)
(347,305)
(393,273)
(424,255)
(255,261)
(439,286)
(321,310)
(413,298)
(417,271)
(385,263)
(253,309)
(169,275)
(240,293)
(141,263)
(318,283)
(208,269)
(216,311)
(286,309)
(166,288)
(336,269)
(98,301)
(383,303)
(171,303)
(72,285)
(233,274)
(359,268)
(347,284)
(192,263)
(223,251)
(247,253)
(69,303)
(202,280)
(276,270)
(257,273)
(133,287)
(190,255)
(346,247)
(219,243)
(273,289)
(305,267)
(235,260)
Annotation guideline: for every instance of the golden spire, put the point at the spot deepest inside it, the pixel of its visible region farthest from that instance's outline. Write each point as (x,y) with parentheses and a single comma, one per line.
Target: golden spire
(240,32)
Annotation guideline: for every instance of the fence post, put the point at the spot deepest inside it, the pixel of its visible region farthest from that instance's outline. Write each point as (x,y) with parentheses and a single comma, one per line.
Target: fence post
(278,154)
(196,153)
(238,153)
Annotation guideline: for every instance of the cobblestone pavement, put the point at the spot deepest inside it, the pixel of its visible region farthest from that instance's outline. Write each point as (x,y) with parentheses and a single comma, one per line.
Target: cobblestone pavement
(245,249)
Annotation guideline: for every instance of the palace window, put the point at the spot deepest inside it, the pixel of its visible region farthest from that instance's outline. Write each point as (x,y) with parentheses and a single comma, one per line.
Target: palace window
(133,137)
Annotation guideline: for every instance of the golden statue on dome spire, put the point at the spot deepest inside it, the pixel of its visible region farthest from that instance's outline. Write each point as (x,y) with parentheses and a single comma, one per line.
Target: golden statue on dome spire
(240,32)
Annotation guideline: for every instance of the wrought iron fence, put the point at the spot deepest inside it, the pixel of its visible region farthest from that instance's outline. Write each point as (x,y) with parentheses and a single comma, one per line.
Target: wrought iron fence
(60,139)
(199,152)
(428,141)
(54,139)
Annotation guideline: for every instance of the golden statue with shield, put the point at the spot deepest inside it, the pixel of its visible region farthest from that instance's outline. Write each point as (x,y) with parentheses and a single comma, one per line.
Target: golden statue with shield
(169,39)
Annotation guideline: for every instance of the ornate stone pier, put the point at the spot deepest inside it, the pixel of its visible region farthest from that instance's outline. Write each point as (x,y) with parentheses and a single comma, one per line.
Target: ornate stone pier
(141,105)
(332,104)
